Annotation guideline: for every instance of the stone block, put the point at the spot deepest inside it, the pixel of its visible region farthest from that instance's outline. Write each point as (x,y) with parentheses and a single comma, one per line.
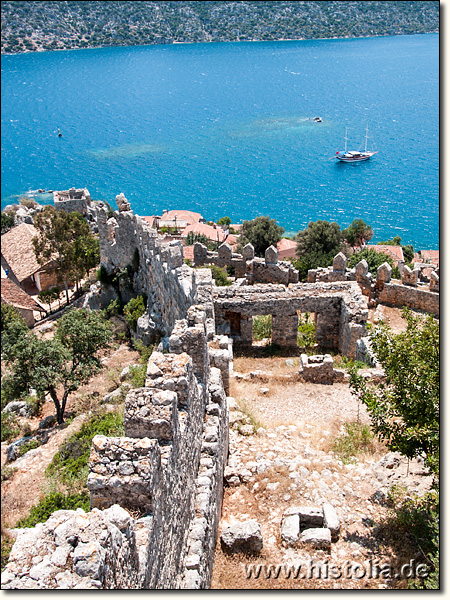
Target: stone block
(384,273)
(248,252)
(151,413)
(242,537)
(331,520)
(340,262)
(271,255)
(319,538)
(290,529)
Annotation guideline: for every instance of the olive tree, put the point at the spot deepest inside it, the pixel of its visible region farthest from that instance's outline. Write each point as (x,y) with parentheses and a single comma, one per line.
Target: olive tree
(55,366)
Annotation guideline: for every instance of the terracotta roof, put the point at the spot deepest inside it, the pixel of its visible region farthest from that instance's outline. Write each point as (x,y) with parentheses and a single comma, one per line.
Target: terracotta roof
(286,249)
(13,294)
(395,252)
(215,234)
(183,218)
(430,255)
(18,251)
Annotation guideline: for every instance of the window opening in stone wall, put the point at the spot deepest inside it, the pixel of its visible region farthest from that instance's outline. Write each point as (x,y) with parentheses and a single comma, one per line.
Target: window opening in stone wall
(306,336)
(262,330)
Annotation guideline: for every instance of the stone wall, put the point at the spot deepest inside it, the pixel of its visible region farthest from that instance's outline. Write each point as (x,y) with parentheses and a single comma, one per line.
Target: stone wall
(72,200)
(340,309)
(256,270)
(167,470)
(394,294)
(379,289)
(171,287)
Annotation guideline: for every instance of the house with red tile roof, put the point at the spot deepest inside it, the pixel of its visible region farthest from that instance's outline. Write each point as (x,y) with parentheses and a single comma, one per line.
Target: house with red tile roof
(178,218)
(430,256)
(286,249)
(15,296)
(19,260)
(212,232)
(395,252)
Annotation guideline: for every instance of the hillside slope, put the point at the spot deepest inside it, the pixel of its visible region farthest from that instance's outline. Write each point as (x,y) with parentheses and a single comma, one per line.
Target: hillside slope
(28,26)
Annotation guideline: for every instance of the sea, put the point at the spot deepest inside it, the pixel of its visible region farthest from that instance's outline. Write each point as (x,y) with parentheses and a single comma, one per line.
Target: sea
(228,129)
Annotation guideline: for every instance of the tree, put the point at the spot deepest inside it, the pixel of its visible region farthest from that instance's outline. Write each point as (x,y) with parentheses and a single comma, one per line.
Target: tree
(8,315)
(358,233)
(48,296)
(261,232)
(374,259)
(7,221)
(55,366)
(405,408)
(66,238)
(224,221)
(317,245)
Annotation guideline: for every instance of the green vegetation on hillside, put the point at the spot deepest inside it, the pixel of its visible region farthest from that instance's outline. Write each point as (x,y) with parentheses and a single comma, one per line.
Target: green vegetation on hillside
(28,26)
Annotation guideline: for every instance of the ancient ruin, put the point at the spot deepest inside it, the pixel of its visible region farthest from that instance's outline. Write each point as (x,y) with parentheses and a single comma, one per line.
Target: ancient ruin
(168,469)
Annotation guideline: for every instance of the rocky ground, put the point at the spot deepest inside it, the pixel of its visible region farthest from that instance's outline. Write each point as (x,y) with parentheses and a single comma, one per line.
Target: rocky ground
(282,434)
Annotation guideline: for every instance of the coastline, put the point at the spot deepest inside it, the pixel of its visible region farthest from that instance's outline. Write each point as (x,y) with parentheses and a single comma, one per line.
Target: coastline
(175,42)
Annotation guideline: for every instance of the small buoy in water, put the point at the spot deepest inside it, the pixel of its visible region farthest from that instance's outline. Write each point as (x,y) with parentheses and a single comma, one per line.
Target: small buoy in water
(59,133)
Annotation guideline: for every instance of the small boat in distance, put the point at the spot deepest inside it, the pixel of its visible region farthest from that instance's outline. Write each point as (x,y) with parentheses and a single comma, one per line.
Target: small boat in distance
(351,156)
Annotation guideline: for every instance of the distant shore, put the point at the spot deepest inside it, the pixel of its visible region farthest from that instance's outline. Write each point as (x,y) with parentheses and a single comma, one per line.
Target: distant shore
(348,37)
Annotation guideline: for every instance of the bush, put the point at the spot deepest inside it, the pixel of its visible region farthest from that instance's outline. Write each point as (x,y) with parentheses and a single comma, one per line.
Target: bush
(31,445)
(10,428)
(51,503)
(71,462)
(262,327)
(133,310)
(306,337)
(144,351)
(355,439)
(374,259)
(137,376)
(220,276)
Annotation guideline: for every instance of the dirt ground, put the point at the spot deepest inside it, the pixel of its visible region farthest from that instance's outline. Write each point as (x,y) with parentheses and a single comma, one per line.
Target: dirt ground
(289,461)
(28,483)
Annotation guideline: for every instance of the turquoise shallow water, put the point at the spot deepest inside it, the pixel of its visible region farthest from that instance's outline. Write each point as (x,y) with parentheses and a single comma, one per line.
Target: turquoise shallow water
(226,129)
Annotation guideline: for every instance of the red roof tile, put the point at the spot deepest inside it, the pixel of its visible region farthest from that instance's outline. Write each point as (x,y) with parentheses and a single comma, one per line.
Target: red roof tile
(286,249)
(13,294)
(431,256)
(18,251)
(395,252)
(215,234)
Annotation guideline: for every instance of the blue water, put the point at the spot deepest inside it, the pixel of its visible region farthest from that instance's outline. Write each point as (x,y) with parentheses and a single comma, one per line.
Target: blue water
(225,129)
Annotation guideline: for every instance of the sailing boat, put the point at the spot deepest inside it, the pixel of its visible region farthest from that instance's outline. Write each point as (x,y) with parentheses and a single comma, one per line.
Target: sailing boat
(351,156)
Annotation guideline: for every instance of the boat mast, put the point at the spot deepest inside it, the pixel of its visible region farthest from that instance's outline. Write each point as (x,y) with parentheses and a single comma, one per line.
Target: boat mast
(367,135)
(345,149)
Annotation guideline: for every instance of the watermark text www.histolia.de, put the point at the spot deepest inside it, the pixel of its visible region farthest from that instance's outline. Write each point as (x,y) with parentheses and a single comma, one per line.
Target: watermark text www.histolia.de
(326,570)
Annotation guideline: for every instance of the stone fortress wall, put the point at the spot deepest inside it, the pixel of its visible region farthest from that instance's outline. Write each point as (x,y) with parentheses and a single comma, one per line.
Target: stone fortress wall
(381,289)
(168,468)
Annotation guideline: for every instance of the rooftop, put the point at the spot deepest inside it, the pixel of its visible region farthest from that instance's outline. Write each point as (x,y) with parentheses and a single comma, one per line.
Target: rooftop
(18,251)
(216,234)
(395,252)
(14,295)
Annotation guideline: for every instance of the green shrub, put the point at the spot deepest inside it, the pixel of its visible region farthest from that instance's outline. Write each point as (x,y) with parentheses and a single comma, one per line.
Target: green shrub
(7,472)
(31,445)
(52,502)
(133,310)
(10,428)
(356,438)
(71,461)
(306,337)
(138,375)
(7,544)
(262,327)
(220,276)
(144,351)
